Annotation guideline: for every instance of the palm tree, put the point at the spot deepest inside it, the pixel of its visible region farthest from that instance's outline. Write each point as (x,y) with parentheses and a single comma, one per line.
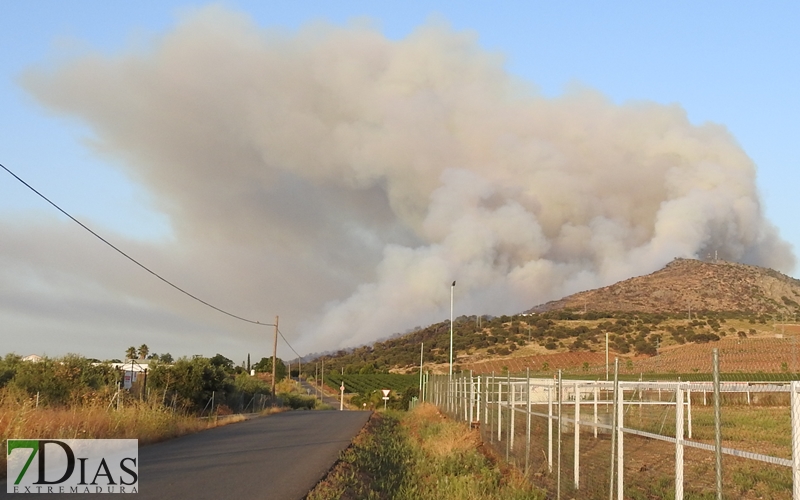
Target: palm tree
(143,351)
(130,353)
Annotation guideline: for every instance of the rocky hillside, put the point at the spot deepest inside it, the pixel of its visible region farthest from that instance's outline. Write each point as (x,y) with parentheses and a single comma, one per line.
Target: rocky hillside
(686,284)
(752,314)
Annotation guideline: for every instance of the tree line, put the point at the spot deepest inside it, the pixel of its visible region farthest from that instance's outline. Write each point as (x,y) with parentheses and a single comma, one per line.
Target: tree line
(641,333)
(186,383)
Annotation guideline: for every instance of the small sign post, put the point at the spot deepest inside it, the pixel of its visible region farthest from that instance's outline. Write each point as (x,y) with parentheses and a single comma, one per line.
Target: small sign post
(341,400)
(385,397)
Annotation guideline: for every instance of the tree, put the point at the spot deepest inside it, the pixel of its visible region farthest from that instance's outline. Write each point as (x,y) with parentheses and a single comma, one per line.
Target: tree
(62,380)
(130,353)
(166,358)
(8,368)
(223,362)
(143,351)
(265,366)
(644,347)
(194,381)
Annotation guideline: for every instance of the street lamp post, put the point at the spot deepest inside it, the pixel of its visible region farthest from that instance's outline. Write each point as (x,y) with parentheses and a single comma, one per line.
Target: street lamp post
(452,288)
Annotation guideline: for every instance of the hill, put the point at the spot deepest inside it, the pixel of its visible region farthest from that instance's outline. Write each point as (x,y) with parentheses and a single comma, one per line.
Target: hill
(653,322)
(687,284)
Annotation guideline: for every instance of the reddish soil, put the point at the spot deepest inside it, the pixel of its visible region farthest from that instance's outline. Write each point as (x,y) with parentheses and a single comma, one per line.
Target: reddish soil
(767,354)
(536,363)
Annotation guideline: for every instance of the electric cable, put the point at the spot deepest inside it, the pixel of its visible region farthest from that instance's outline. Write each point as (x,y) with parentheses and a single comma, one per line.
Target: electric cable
(287,343)
(176,287)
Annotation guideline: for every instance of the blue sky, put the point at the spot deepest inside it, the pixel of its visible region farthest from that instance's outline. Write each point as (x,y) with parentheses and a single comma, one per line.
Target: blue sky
(730,63)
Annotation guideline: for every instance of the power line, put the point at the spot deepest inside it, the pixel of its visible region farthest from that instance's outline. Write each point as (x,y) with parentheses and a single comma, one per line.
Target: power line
(287,343)
(176,287)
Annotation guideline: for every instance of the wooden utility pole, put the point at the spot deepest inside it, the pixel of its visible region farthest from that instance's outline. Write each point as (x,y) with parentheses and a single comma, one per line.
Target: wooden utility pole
(274,356)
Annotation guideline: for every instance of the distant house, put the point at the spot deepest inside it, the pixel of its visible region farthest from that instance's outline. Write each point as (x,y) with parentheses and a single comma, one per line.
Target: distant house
(131,369)
(133,365)
(33,358)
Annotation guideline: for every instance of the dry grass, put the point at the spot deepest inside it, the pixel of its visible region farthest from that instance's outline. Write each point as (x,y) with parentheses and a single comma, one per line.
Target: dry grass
(420,455)
(456,465)
(426,421)
(147,422)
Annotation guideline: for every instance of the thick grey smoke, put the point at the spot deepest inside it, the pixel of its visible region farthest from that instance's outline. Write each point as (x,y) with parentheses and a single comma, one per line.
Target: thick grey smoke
(359,176)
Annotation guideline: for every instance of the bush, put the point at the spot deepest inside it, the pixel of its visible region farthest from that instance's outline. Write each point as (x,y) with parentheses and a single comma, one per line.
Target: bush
(298,401)
(703,338)
(61,381)
(644,347)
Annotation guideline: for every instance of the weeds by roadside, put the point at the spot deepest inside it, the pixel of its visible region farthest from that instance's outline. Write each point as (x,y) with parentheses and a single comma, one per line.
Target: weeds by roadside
(147,422)
(419,455)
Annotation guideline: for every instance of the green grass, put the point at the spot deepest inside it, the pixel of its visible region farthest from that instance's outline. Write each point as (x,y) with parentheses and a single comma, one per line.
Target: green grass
(764,482)
(758,429)
(376,466)
(419,455)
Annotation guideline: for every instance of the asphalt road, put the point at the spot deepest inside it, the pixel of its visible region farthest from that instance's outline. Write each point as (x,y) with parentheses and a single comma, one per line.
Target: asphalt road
(330,400)
(279,457)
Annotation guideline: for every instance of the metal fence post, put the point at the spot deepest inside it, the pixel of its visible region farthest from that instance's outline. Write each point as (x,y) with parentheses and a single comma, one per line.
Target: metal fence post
(512,392)
(454,390)
(489,414)
(466,394)
(576,465)
(447,396)
(620,449)
(440,402)
(499,410)
(509,430)
(596,391)
(486,400)
(550,427)
(528,419)
(613,431)
(678,443)
(457,406)
(452,407)
(560,435)
(795,401)
(459,394)
(718,424)
(440,388)
(478,399)
(689,412)
(459,391)
(457,399)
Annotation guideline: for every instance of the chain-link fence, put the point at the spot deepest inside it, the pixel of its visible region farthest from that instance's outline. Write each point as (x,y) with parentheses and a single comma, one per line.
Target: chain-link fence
(728,436)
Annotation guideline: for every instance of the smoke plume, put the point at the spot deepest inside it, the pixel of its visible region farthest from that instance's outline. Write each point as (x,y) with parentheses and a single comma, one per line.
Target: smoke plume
(351,178)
